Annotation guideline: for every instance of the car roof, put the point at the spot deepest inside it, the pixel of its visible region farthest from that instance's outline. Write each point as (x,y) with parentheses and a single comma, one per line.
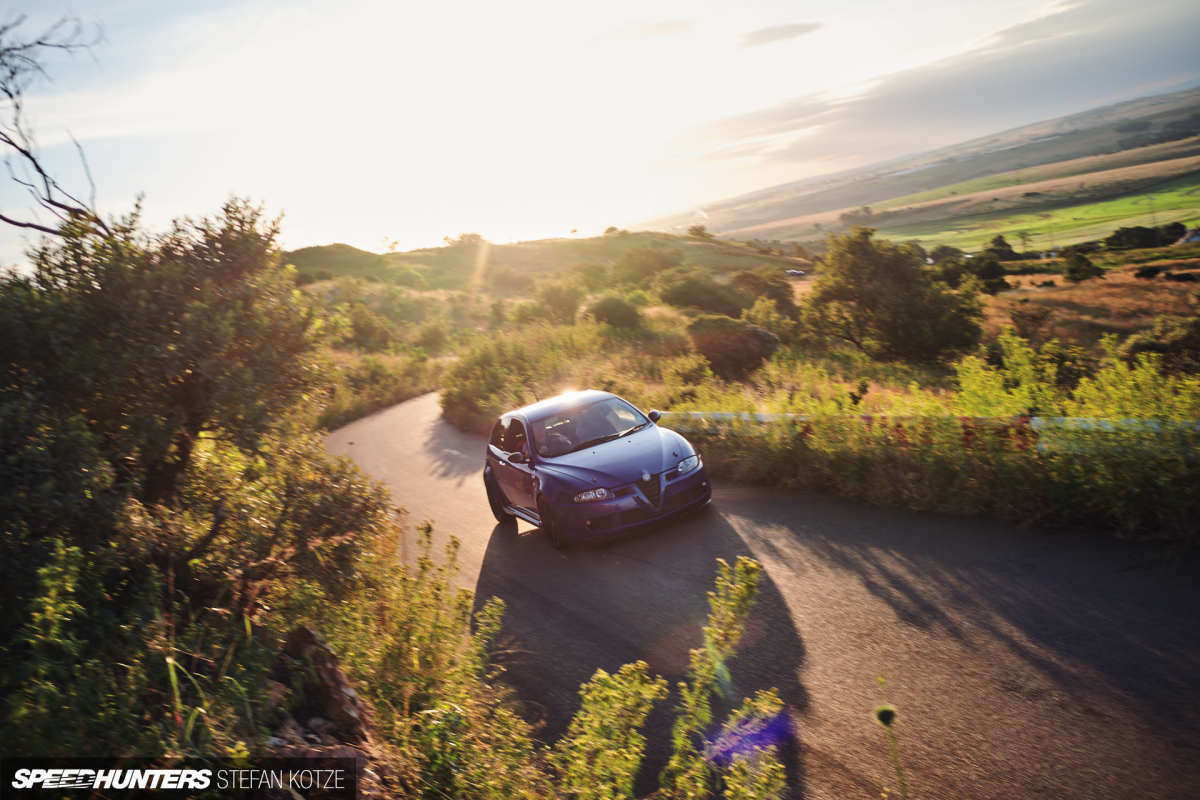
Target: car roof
(553,405)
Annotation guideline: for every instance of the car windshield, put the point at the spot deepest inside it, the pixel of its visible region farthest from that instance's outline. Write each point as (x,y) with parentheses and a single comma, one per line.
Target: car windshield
(584,426)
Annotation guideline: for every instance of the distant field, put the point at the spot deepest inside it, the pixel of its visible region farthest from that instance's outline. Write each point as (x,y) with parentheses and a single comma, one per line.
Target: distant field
(1176,200)
(1081,313)
(1161,154)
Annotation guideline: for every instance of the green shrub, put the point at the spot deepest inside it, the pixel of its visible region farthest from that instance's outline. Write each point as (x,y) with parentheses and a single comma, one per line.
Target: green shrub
(768,283)
(614,311)
(877,297)
(1080,268)
(687,288)
(406,276)
(368,330)
(640,264)
(1176,340)
(372,384)
(558,301)
(433,336)
(990,272)
(765,314)
(1134,482)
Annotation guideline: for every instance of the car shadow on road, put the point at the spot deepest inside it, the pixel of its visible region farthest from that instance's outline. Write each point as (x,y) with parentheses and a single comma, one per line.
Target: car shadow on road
(568,613)
(455,454)
(1073,606)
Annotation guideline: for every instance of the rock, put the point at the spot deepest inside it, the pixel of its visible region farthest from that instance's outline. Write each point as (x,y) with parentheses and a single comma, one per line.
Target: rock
(314,688)
(290,731)
(308,663)
(319,725)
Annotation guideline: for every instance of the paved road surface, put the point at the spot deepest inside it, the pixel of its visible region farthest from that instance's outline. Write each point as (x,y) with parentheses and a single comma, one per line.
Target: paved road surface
(1023,664)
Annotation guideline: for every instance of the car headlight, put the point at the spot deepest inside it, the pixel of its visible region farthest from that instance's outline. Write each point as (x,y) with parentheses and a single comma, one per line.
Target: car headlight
(689,464)
(592,495)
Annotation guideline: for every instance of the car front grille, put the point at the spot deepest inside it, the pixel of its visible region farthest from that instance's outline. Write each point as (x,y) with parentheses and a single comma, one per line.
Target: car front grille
(652,489)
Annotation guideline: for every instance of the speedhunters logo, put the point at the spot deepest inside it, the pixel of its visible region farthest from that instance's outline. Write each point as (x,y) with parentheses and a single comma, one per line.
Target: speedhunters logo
(76,778)
(265,778)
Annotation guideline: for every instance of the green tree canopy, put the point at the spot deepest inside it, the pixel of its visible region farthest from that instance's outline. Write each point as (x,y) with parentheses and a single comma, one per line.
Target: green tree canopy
(876,296)
(159,341)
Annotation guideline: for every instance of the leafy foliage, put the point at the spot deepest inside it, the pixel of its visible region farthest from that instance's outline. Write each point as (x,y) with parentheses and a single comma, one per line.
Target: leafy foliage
(599,756)
(1176,340)
(1080,268)
(876,296)
(616,311)
(558,301)
(640,264)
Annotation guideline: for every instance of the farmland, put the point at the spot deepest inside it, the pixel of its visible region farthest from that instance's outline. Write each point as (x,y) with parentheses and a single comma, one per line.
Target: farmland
(1175,200)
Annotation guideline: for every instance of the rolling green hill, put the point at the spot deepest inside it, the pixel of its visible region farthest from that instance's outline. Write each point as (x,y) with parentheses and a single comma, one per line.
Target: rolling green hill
(460,265)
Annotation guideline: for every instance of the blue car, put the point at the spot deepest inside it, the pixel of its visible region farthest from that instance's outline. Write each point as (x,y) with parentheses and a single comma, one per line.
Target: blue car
(589,465)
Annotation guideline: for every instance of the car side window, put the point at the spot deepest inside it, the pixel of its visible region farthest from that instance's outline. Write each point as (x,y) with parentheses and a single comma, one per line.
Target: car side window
(514,437)
(497,439)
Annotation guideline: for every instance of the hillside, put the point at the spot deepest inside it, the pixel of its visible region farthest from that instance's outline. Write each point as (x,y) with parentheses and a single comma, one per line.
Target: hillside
(458,265)
(1157,130)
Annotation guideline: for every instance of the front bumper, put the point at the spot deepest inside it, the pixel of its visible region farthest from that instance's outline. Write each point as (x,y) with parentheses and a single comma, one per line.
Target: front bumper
(598,520)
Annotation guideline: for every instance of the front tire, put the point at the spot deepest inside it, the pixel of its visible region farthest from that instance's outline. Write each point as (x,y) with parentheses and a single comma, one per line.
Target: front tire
(495,498)
(550,525)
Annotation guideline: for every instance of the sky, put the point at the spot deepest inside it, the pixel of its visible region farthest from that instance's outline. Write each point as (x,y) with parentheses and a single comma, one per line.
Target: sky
(397,124)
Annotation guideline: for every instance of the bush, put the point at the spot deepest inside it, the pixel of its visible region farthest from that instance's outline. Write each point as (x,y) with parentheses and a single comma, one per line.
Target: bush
(990,272)
(1176,340)
(1133,238)
(372,384)
(642,263)
(690,289)
(558,301)
(305,278)
(158,498)
(770,284)
(1080,268)
(406,276)
(614,311)
(593,276)
(732,347)
(433,336)
(878,297)
(765,314)
(369,331)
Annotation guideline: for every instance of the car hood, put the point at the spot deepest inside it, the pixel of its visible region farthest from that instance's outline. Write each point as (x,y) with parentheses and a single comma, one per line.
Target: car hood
(620,461)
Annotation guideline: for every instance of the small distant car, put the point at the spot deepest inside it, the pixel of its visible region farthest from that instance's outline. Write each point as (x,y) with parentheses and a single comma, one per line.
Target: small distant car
(587,465)
(796,273)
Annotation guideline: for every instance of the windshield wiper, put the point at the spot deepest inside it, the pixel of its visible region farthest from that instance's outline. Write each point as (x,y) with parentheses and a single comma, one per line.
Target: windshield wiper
(634,429)
(598,440)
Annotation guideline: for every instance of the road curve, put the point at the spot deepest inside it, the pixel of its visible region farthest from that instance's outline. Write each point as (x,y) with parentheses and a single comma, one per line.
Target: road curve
(1023,663)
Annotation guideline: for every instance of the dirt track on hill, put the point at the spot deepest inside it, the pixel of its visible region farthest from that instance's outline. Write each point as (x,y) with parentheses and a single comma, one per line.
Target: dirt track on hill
(1023,663)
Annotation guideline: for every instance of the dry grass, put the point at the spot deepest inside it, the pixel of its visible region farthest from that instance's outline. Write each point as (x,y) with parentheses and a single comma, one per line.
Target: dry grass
(801,286)
(1082,313)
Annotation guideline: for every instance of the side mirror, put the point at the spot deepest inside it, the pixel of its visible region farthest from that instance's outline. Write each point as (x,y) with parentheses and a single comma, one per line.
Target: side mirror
(516,458)
(654,415)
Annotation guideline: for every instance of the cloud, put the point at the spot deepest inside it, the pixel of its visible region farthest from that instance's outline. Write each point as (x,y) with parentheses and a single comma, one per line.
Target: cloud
(670,27)
(1071,59)
(778,33)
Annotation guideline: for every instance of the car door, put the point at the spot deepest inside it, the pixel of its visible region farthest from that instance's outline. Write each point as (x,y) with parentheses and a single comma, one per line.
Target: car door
(515,478)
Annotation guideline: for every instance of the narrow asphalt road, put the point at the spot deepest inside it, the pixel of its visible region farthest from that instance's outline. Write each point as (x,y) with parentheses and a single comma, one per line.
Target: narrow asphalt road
(1023,663)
